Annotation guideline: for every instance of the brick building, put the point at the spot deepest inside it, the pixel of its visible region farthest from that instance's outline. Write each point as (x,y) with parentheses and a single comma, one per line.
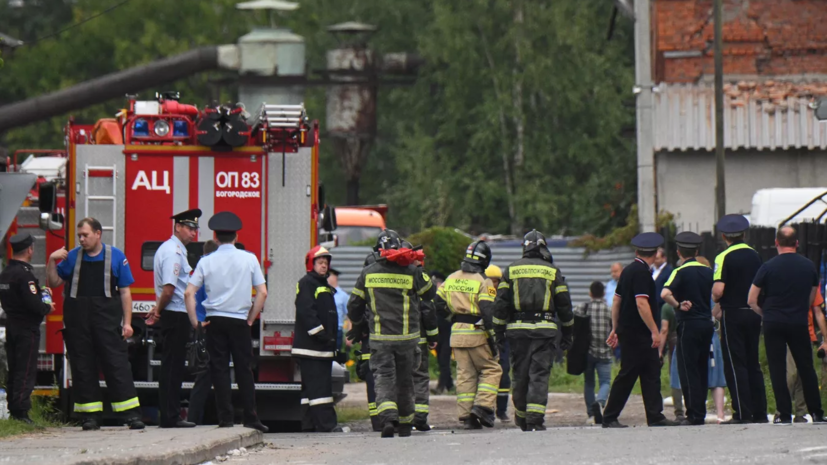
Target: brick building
(775,64)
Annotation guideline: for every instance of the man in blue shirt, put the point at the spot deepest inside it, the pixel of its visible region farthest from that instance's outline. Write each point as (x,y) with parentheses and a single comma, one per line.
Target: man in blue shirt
(172,272)
(341,297)
(97,319)
(229,276)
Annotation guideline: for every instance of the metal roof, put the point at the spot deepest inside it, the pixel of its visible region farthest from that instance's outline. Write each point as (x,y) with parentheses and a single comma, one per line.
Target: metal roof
(685,120)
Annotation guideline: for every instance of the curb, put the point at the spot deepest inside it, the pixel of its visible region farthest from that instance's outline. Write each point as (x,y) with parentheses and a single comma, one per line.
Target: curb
(189,456)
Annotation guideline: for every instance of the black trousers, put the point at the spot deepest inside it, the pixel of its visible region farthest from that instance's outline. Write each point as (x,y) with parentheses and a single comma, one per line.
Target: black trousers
(317,393)
(392,365)
(741,333)
(225,337)
(92,333)
(694,340)
(198,397)
(532,360)
(22,344)
(371,392)
(505,380)
(175,333)
(638,360)
(443,354)
(777,337)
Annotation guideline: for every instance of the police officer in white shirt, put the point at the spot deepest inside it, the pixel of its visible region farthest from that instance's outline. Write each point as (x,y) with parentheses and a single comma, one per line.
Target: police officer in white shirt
(172,273)
(229,275)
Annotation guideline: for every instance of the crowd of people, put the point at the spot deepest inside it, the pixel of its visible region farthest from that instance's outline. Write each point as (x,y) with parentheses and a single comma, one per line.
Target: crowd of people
(503,327)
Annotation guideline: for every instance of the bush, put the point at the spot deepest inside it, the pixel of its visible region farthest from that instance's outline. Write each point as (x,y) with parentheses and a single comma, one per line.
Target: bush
(444,248)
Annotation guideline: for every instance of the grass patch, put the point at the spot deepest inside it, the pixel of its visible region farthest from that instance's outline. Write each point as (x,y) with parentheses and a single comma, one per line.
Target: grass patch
(351,414)
(43,413)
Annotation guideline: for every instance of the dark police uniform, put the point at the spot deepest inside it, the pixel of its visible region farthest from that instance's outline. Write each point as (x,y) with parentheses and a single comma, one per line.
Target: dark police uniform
(229,275)
(171,267)
(638,359)
(314,346)
(740,326)
(532,294)
(25,305)
(692,282)
(92,317)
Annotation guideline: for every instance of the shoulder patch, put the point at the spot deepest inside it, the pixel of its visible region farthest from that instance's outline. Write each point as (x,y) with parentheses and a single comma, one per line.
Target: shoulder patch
(176,269)
(492,291)
(32,287)
(426,277)
(125,262)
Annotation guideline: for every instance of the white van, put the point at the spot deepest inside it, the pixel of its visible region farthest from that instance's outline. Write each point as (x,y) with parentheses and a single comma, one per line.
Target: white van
(772,206)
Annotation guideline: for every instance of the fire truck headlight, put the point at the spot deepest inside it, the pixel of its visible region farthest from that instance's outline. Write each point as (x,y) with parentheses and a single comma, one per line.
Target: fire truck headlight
(140,128)
(161,128)
(180,128)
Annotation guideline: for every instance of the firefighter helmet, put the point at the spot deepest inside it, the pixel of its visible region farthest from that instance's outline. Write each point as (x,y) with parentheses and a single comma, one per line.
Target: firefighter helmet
(313,254)
(387,240)
(494,272)
(534,241)
(405,245)
(478,253)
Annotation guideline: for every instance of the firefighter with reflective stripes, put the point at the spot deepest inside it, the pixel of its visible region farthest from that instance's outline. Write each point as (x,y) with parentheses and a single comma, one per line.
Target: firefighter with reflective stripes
(422,375)
(384,298)
(469,296)
(532,294)
(361,333)
(495,274)
(97,320)
(314,346)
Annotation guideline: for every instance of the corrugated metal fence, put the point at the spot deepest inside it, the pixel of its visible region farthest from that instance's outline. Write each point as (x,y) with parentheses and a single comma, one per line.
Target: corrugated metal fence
(578,269)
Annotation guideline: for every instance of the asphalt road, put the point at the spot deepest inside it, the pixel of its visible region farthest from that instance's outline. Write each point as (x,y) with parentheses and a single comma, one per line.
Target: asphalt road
(710,444)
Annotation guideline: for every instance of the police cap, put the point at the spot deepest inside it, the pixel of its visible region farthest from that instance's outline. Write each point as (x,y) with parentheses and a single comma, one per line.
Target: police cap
(733,224)
(225,222)
(21,242)
(647,242)
(188,218)
(334,271)
(688,240)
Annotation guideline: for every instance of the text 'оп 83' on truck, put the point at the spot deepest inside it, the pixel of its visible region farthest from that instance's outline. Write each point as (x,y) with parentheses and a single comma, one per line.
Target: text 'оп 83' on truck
(161,157)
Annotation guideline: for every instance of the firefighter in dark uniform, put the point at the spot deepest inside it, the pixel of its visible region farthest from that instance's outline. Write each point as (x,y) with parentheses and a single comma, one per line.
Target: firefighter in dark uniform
(229,276)
(469,296)
(532,293)
(735,268)
(314,346)
(688,290)
(361,334)
(97,318)
(382,300)
(635,325)
(25,304)
(172,272)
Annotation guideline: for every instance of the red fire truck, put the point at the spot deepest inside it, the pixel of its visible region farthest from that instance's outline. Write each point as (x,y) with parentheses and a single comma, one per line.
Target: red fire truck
(160,157)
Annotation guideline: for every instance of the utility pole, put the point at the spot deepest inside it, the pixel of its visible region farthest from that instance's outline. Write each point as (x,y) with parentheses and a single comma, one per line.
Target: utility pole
(644,104)
(720,184)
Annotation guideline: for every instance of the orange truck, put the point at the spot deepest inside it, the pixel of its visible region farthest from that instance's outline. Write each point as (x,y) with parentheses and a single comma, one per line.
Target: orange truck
(358,224)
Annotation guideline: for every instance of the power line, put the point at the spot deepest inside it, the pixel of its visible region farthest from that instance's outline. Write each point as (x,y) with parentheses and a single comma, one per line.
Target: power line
(72,26)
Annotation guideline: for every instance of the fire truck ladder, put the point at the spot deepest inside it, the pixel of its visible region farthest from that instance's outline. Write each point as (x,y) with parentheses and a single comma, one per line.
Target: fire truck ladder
(107,172)
(280,116)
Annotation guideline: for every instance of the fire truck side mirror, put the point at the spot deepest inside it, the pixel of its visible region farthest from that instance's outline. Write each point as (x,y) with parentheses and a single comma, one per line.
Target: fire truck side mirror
(47,197)
(321,198)
(821,109)
(329,218)
(51,221)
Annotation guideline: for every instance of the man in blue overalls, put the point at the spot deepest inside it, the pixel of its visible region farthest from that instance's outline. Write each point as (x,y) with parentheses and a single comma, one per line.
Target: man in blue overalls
(97,318)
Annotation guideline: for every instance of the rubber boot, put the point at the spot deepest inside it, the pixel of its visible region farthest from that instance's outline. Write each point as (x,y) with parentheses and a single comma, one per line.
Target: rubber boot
(520,422)
(404,431)
(472,423)
(388,430)
(484,415)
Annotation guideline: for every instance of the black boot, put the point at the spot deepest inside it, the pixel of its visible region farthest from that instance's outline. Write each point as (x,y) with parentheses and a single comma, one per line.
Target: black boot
(422,426)
(90,424)
(388,430)
(375,423)
(404,430)
(535,427)
(520,422)
(257,425)
(484,415)
(472,422)
(135,423)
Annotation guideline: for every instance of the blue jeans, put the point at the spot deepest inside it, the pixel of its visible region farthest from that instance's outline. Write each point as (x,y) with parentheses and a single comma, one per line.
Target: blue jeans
(604,375)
